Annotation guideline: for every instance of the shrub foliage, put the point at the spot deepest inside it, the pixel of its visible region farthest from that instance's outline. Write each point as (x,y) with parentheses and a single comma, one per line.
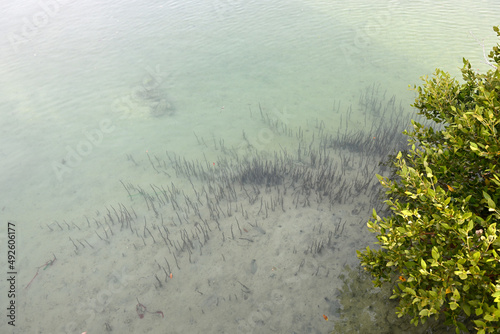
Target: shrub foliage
(440,242)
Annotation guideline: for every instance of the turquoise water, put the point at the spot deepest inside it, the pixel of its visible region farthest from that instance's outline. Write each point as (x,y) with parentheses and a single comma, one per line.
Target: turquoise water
(214,59)
(87,87)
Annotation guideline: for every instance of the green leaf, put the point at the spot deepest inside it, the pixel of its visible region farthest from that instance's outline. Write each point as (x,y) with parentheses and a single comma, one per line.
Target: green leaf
(407,213)
(423,264)
(462,274)
(435,253)
(453,306)
(470,225)
(409,264)
(428,171)
(491,204)
(410,291)
(496,295)
(424,313)
(466,308)
(446,226)
(489,317)
(480,323)
(492,229)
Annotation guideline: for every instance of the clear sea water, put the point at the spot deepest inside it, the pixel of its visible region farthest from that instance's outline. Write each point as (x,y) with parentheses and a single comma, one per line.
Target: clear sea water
(71,75)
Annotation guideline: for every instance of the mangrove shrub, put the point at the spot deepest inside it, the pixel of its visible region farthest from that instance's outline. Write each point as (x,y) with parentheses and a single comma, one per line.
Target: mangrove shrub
(439,245)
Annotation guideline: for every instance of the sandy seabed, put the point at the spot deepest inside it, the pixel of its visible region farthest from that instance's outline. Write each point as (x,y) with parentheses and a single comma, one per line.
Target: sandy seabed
(252,242)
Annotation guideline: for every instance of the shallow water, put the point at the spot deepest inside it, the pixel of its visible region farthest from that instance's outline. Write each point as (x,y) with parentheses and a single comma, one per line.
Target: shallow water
(92,91)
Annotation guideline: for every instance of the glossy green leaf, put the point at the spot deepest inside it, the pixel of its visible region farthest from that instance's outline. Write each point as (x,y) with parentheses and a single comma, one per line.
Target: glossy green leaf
(435,253)
(423,264)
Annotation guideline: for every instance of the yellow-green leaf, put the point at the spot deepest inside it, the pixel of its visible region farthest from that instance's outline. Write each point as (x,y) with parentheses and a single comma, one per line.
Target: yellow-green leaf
(423,264)
(406,213)
(410,291)
(435,253)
